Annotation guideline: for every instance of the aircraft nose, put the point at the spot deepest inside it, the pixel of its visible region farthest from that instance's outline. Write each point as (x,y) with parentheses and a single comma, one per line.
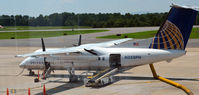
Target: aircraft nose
(22,65)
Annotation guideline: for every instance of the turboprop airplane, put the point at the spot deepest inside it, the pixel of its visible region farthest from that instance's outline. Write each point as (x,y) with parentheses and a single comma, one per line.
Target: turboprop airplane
(169,43)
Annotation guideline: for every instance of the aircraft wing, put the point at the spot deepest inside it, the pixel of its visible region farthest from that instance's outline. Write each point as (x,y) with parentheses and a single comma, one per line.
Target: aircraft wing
(63,51)
(113,43)
(72,50)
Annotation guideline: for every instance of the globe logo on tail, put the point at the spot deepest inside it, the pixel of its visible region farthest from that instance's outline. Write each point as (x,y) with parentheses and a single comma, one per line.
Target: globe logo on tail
(169,37)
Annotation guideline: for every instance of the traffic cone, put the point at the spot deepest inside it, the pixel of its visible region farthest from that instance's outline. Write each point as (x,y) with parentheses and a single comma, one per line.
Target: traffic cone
(44,90)
(28,91)
(7,91)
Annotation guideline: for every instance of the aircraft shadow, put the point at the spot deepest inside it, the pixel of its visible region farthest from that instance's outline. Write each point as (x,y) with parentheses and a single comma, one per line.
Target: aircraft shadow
(68,86)
(64,87)
(61,88)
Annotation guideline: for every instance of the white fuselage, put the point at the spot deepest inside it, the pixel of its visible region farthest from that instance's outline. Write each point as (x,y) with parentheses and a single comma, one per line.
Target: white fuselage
(125,57)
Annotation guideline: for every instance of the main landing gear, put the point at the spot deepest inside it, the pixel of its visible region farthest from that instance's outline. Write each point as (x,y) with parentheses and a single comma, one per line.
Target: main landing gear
(72,76)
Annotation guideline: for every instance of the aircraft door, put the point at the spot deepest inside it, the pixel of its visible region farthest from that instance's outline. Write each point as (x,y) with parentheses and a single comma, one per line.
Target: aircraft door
(115,60)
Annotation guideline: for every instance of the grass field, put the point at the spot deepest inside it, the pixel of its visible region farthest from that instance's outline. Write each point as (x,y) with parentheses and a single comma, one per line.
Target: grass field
(39,34)
(148,34)
(9,28)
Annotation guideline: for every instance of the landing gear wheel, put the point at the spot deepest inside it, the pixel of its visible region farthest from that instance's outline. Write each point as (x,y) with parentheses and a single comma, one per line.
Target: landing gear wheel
(36,80)
(31,73)
(109,80)
(73,78)
(102,83)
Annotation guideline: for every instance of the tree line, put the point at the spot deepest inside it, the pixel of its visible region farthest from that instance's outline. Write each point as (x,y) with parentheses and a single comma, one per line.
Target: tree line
(86,19)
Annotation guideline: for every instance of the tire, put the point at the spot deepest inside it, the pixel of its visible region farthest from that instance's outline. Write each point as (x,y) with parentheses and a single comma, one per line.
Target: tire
(102,83)
(31,73)
(109,80)
(36,80)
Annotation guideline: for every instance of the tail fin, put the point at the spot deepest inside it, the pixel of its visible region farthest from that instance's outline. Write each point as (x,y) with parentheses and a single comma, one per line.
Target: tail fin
(175,31)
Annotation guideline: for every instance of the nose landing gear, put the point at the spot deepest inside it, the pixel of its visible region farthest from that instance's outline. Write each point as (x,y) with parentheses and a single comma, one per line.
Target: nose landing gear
(31,73)
(72,76)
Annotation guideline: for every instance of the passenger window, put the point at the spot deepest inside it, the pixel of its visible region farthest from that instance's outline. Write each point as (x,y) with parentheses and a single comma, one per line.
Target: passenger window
(103,58)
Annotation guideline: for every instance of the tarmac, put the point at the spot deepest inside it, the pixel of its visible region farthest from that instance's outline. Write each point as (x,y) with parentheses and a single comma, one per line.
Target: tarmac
(136,81)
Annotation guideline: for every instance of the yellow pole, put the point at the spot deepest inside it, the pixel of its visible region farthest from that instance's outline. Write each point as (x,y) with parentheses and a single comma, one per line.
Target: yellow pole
(153,71)
(182,87)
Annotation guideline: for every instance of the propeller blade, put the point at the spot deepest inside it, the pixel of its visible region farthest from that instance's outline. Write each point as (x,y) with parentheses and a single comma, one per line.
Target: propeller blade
(91,51)
(44,49)
(47,64)
(80,40)
(43,45)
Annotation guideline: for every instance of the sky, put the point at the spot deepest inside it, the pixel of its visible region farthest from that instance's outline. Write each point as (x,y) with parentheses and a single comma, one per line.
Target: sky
(46,7)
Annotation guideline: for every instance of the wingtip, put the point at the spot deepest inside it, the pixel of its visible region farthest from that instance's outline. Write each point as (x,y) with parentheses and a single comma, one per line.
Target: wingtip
(19,56)
(129,38)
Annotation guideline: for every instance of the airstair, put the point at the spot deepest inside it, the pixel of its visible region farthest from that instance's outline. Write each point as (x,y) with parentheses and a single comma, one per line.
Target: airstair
(102,78)
(46,73)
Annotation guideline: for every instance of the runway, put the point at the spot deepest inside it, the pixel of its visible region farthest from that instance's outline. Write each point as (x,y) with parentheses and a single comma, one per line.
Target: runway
(136,81)
(69,40)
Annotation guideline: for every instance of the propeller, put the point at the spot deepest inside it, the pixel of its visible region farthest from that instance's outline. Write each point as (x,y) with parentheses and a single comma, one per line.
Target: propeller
(43,45)
(80,40)
(43,49)
(47,65)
